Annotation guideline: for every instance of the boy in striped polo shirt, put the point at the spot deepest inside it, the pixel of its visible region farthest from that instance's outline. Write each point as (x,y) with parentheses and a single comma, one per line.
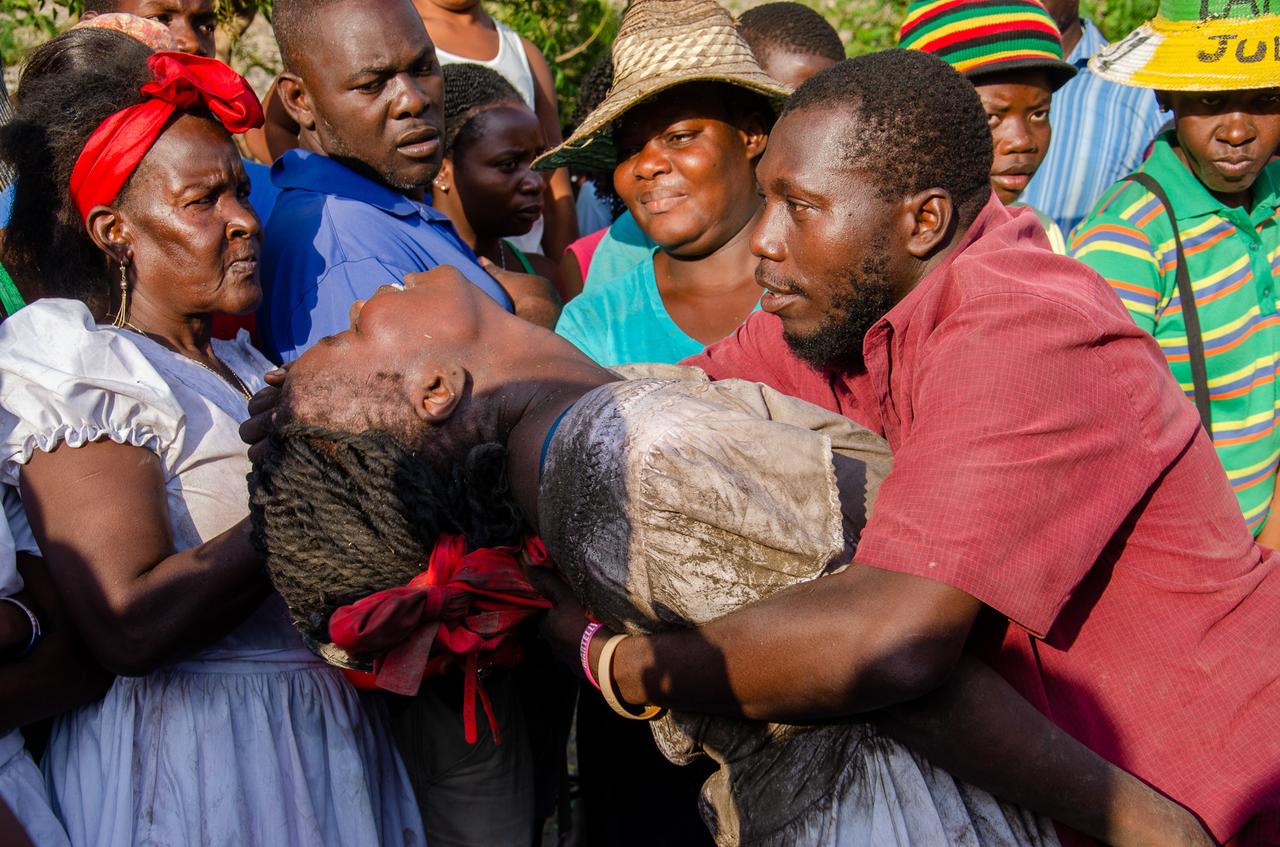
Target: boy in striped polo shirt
(1213,168)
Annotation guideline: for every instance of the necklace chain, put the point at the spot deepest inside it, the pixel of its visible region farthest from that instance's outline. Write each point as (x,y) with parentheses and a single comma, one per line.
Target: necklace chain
(237,384)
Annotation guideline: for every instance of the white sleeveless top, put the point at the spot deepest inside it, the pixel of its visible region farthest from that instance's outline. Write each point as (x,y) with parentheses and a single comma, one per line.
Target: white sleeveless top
(512,62)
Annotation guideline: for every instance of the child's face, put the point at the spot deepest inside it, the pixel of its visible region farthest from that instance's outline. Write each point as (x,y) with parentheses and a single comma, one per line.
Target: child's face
(1226,138)
(1017,106)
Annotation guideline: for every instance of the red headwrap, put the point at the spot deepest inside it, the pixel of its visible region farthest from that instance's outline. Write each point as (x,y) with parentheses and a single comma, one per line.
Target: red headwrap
(464,605)
(178,81)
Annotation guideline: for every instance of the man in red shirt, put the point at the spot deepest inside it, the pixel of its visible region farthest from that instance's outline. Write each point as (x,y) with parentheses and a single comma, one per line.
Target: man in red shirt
(1053,505)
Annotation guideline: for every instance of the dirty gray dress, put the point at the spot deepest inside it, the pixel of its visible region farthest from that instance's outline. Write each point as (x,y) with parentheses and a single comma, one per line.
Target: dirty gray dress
(669,502)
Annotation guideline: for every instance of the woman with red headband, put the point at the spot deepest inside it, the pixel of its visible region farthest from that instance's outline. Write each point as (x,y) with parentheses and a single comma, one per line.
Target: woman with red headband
(119,425)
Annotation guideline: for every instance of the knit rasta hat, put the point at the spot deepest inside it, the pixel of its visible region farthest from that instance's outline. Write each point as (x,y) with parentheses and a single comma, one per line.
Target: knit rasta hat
(662,44)
(980,36)
(1198,45)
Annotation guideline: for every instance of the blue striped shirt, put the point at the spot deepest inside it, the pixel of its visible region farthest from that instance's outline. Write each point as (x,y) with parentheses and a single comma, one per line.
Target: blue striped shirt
(1101,132)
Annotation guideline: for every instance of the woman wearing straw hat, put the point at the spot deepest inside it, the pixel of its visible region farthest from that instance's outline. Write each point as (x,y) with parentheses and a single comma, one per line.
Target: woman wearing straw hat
(1013,56)
(1191,243)
(682,126)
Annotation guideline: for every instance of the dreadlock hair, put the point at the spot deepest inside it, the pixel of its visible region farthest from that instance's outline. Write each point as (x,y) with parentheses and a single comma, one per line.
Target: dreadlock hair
(919,125)
(470,89)
(789,28)
(69,87)
(595,85)
(340,515)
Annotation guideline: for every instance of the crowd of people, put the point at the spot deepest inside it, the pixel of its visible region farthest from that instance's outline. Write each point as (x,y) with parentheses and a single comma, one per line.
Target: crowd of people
(784,449)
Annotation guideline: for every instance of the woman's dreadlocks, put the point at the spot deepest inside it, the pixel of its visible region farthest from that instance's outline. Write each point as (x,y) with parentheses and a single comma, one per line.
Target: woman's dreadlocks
(341,516)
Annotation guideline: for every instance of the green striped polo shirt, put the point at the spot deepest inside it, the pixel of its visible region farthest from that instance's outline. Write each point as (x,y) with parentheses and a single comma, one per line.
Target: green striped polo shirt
(1233,259)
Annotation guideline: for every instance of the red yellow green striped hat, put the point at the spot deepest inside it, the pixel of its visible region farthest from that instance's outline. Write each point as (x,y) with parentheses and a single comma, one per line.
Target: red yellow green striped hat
(1199,45)
(987,36)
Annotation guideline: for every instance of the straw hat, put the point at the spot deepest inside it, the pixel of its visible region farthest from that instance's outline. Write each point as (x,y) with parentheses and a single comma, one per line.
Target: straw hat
(662,44)
(1197,45)
(977,37)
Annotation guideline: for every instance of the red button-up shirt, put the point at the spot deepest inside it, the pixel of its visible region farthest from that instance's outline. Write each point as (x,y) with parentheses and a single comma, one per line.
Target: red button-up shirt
(1046,463)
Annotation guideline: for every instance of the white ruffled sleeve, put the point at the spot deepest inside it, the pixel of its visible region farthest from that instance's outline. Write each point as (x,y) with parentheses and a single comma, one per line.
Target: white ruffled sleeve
(63,378)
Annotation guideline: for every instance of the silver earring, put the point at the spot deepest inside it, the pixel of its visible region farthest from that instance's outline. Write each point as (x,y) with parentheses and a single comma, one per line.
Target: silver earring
(122,315)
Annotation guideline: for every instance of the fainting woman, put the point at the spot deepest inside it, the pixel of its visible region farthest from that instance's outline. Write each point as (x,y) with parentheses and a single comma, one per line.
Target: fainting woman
(662,500)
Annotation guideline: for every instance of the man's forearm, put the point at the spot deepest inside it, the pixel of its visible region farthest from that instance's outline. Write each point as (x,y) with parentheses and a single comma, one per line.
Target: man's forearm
(826,649)
(979,729)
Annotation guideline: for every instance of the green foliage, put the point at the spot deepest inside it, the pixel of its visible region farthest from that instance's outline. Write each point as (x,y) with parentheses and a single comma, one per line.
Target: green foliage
(1117,18)
(27,23)
(869,25)
(572,34)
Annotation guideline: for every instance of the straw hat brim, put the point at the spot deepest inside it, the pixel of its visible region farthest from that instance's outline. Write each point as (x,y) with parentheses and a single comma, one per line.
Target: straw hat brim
(590,147)
(1231,54)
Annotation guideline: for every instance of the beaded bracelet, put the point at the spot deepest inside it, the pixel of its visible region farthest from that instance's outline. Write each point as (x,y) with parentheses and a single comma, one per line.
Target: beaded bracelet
(584,652)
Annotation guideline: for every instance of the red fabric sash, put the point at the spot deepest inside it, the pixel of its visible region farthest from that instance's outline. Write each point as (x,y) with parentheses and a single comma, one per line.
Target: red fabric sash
(463,606)
(178,82)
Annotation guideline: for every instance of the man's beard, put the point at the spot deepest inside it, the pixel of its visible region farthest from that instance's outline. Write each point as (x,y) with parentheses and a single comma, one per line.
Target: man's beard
(337,148)
(836,345)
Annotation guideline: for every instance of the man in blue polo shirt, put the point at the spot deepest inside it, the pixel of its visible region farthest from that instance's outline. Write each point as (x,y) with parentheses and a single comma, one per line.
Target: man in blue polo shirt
(362,81)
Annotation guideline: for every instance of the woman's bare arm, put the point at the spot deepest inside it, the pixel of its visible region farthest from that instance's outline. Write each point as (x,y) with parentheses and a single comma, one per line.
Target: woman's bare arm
(571,280)
(561,217)
(100,517)
(60,673)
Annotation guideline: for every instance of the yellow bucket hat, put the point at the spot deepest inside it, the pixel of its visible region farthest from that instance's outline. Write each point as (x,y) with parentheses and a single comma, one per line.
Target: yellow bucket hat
(662,44)
(1198,45)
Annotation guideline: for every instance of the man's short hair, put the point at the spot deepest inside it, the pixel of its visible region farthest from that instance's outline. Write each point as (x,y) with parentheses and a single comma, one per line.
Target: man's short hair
(920,124)
(789,28)
(102,7)
(293,21)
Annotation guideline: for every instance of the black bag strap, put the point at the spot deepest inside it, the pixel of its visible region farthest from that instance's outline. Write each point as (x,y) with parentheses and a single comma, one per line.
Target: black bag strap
(1190,315)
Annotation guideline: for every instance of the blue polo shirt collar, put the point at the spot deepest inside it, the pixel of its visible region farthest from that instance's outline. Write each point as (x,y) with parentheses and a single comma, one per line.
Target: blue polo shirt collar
(317,172)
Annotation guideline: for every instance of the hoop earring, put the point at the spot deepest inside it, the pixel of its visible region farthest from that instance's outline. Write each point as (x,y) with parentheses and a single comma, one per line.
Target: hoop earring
(122,314)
